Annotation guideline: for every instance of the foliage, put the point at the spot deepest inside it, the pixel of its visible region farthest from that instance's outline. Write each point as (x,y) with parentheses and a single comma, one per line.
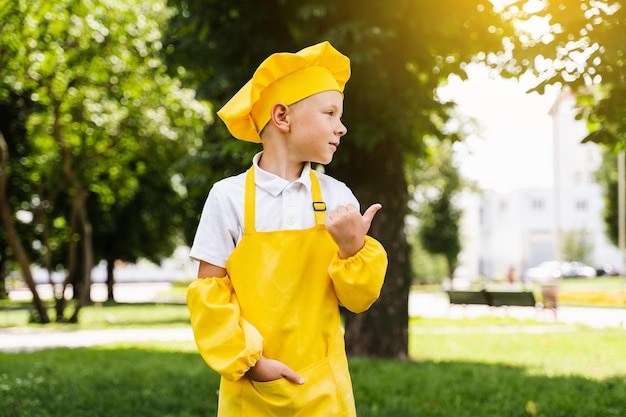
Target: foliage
(457,370)
(580,45)
(577,245)
(106,123)
(427,268)
(607,177)
(438,217)
(439,229)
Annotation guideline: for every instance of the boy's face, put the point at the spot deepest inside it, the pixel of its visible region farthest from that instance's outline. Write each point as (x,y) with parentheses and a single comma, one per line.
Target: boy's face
(316,127)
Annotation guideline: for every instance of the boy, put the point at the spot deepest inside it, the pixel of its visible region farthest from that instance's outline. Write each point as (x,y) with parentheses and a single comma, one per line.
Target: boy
(281,247)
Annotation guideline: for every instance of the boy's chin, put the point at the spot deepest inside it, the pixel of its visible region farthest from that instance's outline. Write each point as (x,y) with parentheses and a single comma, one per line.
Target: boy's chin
(323,160)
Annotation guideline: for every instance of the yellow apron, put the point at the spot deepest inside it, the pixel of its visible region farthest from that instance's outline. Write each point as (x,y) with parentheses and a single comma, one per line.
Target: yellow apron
(284,290)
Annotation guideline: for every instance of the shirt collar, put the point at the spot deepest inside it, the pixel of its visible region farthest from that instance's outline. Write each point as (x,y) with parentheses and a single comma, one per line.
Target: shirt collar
(274,184)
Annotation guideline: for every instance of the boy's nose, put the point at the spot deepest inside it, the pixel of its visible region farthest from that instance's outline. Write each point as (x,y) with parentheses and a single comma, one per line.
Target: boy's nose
(342,130)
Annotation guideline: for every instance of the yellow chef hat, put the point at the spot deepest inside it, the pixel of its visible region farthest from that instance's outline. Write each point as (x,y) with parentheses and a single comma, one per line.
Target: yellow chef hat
(285,77)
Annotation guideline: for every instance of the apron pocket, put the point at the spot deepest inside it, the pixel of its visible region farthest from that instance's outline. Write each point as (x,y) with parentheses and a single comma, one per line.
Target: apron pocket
(316,397)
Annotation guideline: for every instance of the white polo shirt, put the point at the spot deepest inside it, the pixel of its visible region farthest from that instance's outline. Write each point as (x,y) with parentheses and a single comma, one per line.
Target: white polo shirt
(280,205)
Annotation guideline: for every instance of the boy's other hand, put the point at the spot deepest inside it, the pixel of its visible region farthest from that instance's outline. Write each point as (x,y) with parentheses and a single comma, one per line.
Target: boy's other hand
(267,370)
(348,228)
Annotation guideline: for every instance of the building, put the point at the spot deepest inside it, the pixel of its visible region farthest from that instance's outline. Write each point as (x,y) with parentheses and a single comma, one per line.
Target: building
(527,226)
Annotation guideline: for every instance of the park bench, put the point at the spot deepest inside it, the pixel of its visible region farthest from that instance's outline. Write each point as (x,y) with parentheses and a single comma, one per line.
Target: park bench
(493,298)
(512,298)
(468,297)
(498,299)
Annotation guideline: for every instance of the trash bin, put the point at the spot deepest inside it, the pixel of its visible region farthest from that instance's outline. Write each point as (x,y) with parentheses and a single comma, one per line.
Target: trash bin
(549,292)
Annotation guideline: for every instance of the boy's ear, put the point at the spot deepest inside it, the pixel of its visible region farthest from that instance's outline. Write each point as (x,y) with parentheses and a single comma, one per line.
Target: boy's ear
(280,116)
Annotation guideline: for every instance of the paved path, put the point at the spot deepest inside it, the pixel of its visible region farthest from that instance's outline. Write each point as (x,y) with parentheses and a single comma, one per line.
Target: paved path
(28,339)
(126,292)
(430,305)
(436,304)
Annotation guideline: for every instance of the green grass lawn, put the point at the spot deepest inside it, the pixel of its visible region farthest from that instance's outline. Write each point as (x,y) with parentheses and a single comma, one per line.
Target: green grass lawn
(468,367)
(165,380)
(485,367)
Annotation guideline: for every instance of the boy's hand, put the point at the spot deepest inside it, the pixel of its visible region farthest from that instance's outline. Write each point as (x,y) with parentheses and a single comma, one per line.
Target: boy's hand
(348,228)
(270,370)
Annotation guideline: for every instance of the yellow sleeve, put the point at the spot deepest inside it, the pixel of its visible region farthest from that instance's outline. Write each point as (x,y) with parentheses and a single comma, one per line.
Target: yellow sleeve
(359,279)
(227,343)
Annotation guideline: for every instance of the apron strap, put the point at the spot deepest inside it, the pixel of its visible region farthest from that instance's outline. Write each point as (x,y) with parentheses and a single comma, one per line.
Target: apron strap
(248,203)
(319,207)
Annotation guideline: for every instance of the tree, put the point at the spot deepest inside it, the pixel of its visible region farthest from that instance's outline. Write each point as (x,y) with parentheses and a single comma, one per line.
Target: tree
(11,123)
(105,112)
(607,178)
(577,245)
(439,229)
(148,226)
(12,236)
(439,218)
(400,52)
(12,116)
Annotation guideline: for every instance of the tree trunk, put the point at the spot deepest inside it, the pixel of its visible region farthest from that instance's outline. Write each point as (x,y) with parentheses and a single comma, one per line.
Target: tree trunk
(4,294)
(378,176)
(13,237)
(110,279)
(80,224)
(83,291)
(451,262)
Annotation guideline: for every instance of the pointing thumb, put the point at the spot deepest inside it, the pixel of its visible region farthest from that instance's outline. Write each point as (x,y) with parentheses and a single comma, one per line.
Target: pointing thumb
(368,216)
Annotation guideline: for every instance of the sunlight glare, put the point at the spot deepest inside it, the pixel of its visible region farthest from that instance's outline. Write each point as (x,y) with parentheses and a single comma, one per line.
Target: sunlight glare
(536,27)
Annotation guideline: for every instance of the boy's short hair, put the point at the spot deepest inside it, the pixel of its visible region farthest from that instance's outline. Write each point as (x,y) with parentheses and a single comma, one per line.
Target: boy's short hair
(285,77)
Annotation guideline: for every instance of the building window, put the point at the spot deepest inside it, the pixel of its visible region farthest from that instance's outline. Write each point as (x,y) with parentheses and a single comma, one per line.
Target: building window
(578,177)
(538,204)
(581,205)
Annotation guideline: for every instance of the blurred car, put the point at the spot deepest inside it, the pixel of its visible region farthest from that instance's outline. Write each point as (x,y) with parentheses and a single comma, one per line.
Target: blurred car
(546,271)
(607,270)
(551,270)
(580,270)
